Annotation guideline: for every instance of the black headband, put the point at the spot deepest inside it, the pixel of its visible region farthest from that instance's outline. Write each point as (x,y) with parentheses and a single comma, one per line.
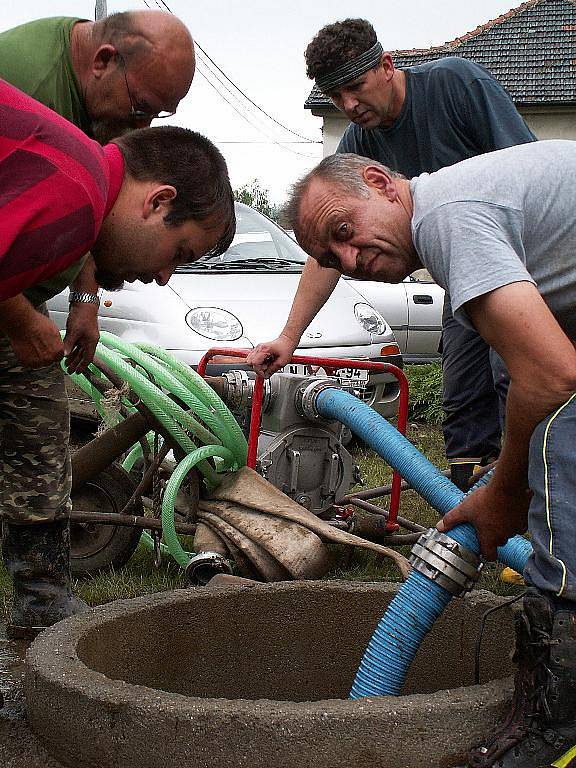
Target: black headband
(350,70)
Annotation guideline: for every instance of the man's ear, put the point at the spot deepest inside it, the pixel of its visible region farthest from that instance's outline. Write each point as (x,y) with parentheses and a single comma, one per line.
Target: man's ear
(158,199)
(105,56)
(387,64)
(377,178)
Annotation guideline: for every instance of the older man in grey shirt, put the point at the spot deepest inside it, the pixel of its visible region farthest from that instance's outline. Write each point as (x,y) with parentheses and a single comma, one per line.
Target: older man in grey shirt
(498,231)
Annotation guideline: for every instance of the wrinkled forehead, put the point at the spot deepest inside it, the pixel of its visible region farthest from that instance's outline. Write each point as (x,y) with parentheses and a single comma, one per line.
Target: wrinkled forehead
(317,204)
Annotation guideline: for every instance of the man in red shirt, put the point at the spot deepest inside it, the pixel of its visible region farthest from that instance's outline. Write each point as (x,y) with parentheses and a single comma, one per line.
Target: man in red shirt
(153,199)
(106,77)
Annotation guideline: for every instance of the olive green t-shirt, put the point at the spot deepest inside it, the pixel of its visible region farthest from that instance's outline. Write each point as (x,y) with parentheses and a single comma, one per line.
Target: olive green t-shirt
(35,57)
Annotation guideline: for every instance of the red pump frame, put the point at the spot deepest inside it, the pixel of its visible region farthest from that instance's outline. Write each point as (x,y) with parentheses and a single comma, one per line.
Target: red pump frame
(329,363)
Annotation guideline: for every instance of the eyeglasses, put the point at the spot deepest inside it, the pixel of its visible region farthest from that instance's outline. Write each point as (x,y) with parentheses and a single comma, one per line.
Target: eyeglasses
(135,113)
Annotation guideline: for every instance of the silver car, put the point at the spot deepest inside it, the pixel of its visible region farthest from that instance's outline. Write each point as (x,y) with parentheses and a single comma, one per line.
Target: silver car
(413,309)
(243,298)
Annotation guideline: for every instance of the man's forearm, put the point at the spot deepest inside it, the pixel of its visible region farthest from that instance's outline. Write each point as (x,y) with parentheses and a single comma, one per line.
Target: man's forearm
(315,287)
(15,314)
(509,319)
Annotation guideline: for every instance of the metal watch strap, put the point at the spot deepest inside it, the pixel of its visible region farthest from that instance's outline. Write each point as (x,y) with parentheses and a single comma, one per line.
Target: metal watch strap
(83,297)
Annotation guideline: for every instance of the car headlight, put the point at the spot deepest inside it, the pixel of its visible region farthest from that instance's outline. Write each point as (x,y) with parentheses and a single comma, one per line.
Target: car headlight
(370,320)
(214,323)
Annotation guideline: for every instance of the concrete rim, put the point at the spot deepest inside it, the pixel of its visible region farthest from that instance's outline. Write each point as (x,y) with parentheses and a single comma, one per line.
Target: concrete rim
(56,673)
(53,655)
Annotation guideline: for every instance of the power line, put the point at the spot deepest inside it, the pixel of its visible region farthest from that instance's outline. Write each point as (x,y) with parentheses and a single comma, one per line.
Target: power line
(240,108)
(273,141)
(231,93)
(311,141)
(305,139)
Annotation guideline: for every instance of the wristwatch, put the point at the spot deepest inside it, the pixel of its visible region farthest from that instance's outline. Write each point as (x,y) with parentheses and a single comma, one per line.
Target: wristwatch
(83,297)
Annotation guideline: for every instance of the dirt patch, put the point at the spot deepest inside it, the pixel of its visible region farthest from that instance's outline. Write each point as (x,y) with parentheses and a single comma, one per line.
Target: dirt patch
(19,748)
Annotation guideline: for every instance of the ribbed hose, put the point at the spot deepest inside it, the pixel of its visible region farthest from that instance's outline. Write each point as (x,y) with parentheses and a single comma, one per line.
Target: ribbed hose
(419,601)
(162,382)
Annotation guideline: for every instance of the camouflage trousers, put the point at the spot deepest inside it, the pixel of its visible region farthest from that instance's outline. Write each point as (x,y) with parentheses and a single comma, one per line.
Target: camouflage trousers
(35,471)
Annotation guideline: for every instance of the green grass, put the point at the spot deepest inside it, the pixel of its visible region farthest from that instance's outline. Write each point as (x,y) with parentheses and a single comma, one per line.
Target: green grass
(141,577)
(138,577)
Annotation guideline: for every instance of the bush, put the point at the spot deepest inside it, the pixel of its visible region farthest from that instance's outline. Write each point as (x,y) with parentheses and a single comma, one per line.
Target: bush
(425,392)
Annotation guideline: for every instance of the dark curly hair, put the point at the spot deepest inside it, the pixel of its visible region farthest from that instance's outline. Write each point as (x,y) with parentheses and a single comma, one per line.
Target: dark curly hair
(337,44)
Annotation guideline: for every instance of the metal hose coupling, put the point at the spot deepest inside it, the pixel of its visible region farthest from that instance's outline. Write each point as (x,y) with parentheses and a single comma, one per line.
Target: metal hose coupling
(306,396)
(445,561)
(203,566)
(239,389)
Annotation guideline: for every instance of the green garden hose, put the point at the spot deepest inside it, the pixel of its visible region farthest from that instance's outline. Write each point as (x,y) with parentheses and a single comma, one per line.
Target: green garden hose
(205,431)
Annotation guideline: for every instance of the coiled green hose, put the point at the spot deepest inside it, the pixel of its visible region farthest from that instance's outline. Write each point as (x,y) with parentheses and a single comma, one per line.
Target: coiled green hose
(205,431)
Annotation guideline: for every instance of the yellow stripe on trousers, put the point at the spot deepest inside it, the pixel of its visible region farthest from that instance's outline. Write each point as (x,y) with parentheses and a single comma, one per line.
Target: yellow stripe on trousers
(566,760)
(547,493)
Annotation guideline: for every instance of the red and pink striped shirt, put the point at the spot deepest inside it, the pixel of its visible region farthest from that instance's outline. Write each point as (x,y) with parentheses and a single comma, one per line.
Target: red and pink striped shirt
(56,188)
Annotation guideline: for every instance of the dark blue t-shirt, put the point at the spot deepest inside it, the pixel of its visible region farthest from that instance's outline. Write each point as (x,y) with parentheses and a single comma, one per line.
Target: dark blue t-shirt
(454,109)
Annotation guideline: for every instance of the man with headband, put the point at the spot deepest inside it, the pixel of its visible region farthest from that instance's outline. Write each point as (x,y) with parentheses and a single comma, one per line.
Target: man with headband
(414,120)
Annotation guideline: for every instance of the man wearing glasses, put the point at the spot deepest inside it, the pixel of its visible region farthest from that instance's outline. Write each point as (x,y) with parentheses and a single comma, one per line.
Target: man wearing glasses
(106,77)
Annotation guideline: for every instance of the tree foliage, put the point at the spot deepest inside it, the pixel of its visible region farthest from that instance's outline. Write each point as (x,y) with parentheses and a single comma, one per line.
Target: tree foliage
(257,197)
(425,392)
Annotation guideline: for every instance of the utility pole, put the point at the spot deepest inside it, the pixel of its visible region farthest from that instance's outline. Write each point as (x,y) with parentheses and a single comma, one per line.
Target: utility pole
(100,10)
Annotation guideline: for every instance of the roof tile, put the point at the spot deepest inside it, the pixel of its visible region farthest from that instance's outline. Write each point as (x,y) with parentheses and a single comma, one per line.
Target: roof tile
(530,49)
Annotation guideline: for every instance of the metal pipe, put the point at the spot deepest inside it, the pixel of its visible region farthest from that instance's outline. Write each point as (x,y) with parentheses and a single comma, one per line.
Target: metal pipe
(408,524)
(129,521)
(255,422)
(374,528)
(95,456)
(146,480)
(381,490)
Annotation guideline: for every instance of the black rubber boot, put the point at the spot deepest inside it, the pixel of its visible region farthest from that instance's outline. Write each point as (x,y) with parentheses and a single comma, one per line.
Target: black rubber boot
(37,557)
(540,730)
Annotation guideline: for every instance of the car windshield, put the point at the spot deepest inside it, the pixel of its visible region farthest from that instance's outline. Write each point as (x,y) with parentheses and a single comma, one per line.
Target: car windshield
(259,245)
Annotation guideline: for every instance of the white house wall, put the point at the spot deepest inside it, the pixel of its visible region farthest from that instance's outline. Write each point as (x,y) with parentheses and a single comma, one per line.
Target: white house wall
(552,125)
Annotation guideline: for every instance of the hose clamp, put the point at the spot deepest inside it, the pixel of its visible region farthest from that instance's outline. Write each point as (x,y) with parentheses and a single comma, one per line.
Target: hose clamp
(238,393)
(240,390)
(306,396)
(445,561)
(203,566)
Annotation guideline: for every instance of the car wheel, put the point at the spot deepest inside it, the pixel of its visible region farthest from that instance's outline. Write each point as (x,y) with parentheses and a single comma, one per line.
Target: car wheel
(98,547)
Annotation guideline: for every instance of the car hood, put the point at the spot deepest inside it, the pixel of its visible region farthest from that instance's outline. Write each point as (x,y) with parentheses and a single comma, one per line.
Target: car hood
(262,302)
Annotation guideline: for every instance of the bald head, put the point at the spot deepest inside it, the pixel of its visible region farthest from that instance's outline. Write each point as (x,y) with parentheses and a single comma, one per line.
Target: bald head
(152,36)
(132,66)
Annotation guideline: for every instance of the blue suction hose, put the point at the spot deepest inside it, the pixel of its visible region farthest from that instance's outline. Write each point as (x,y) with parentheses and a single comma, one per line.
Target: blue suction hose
(420,601)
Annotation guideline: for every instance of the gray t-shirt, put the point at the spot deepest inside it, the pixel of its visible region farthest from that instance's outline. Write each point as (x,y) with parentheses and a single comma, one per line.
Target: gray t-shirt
(501,218)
